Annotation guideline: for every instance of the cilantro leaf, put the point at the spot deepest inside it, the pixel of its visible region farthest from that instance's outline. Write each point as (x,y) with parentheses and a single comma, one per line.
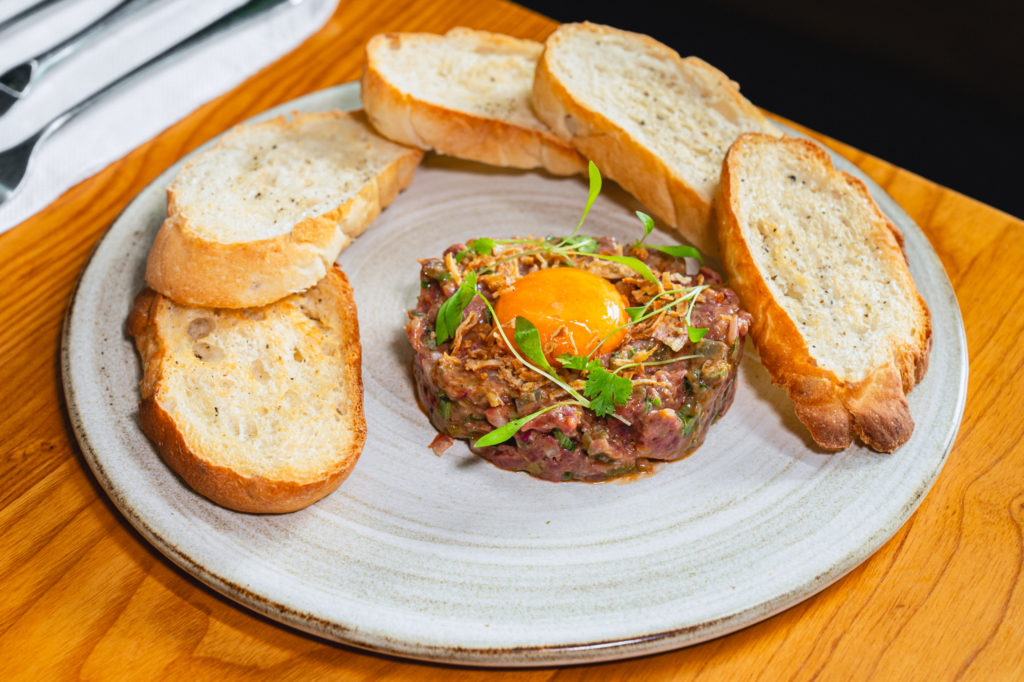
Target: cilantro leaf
(528,340)
(484,246)
(449,315)
(606,391)
(579,362)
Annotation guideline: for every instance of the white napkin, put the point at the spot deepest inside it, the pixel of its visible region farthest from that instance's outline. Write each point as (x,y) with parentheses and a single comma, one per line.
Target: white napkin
(130,115)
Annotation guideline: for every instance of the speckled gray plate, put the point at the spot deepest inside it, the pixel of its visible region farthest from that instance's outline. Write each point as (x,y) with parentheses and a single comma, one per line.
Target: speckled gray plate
(451,559)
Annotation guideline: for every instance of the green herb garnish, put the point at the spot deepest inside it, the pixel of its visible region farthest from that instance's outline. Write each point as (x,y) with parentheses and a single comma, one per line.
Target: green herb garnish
(503,433)
(689,421)
(606,391)
(603,390)
(449,315)
(444,406)
(563,440)
(648,223)
(483,246)
(676,251)
(578,362)
(655,363)
(633,263)
(551,376)
(581,243)
(635,312)
(694,334)
(595,189)
(528,339)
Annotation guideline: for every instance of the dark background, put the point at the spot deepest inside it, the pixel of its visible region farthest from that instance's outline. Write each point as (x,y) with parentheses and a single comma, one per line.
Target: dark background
(936,88)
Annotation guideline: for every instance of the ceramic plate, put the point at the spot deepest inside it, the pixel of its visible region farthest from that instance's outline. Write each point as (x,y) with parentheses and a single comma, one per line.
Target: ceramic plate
(451,559)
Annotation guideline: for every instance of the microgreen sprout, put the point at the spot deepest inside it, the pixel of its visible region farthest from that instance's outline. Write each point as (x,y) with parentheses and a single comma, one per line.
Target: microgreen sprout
(552,376)
(654,363)
(528,339)
(483,246)
(449,315)
(642,316)
(595,189)
(694,334)
(676,251)
(503,433)
(603,391)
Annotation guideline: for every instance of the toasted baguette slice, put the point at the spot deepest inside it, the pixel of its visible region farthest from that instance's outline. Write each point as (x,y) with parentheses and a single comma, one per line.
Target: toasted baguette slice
(258,409)
(656,123)
(266,211)
(465,94)
(837,321)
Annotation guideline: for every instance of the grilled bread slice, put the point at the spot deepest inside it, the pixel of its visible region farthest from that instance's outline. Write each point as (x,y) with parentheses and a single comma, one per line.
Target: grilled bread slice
(265,212)
(258,409)
(465,93)
(656,123)
(838,321)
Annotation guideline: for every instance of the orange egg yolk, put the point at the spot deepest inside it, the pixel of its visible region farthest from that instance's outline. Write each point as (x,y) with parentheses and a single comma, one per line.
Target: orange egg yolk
(574,311)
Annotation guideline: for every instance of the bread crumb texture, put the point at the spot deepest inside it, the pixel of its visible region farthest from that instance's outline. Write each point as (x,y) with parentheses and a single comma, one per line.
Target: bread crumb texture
(683,110)
(259,389)
(261,180)
(476,72)
(827,257)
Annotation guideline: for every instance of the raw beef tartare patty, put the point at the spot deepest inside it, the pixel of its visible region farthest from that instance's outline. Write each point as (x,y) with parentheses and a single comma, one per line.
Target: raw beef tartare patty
(680,348)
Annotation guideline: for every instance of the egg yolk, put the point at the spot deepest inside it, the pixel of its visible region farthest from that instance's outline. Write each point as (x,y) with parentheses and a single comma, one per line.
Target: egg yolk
(573,310)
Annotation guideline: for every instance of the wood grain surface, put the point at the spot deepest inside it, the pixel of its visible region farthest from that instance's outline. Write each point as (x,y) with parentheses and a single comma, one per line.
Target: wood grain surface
(84,596)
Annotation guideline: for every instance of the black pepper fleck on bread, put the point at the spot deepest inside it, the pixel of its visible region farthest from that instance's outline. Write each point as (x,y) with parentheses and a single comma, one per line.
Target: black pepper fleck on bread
(466,94)
(265,212)
(838,321)
(258,409)
(656,123)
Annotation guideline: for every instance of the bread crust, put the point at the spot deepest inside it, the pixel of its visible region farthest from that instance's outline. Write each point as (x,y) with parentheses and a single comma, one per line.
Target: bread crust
(638,169)
(219,481)
(189,268)
(406,119)
(873,409)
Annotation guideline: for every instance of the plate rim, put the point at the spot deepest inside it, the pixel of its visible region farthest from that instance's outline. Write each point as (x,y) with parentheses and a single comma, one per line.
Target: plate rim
(518,656)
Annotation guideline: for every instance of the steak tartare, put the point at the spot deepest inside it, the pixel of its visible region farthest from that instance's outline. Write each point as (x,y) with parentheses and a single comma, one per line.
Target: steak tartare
(671,373)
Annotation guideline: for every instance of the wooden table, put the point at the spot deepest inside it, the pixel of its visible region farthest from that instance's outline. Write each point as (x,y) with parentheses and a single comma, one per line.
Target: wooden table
(83,595)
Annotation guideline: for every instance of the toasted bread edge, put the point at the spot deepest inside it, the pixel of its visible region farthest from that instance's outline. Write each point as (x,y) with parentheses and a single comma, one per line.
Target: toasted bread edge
(874,409)
(637,169)
(190,269)
(222,484)
(405,119)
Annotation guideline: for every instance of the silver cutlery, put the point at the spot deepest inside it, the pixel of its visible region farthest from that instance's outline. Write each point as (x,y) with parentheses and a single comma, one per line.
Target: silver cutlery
(26,13)
(14,161)
(17,80)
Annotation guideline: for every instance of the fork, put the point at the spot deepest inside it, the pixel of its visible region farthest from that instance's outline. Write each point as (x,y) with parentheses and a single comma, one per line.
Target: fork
(14,161)
(17,80)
